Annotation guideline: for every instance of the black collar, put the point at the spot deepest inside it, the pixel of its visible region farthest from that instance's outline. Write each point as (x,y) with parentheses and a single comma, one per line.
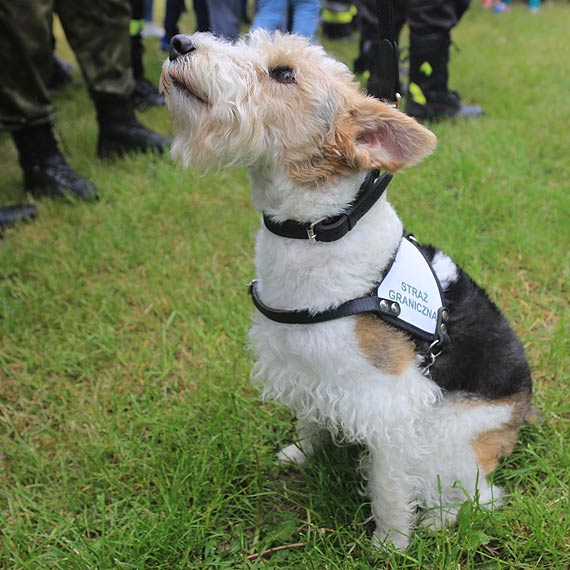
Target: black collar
(335,227)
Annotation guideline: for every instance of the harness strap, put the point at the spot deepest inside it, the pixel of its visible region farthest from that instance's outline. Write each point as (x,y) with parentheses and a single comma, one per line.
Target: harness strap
(389,310)
(334,228)
(368,304)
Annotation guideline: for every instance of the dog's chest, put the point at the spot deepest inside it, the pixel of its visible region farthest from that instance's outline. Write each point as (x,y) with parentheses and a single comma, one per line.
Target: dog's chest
(327,371)
(311,368)
(321,372)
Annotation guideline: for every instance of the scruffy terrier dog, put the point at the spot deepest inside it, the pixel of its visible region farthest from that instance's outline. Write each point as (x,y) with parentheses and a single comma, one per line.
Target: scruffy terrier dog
(358,329)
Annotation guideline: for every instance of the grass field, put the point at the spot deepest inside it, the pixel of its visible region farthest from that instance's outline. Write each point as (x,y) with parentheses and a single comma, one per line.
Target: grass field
(130,435)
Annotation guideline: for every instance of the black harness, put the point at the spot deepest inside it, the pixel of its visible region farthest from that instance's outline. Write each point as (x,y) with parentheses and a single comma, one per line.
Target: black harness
(388,309)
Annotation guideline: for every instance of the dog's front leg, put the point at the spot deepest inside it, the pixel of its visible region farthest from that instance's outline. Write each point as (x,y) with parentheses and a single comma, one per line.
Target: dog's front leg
(392,495)
(309,436)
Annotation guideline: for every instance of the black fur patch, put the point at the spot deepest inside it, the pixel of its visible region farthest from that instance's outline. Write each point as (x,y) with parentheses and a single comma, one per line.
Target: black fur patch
(484,358)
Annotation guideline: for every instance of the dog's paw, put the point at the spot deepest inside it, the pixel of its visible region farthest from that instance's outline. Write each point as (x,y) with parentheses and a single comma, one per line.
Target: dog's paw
(383,539)
(292,455)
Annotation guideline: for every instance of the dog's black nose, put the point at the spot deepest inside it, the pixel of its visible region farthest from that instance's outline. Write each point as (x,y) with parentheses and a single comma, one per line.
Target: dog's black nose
(180,44)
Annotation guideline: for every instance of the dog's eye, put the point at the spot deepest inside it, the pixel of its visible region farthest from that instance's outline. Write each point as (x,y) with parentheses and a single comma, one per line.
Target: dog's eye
(282,74)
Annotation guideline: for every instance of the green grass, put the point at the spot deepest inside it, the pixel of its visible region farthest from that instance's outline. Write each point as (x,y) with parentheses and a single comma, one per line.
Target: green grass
(130,436)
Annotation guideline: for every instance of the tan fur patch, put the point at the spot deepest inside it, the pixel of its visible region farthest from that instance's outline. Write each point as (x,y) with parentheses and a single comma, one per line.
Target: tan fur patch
(492,445)
(387,348)
(366,134)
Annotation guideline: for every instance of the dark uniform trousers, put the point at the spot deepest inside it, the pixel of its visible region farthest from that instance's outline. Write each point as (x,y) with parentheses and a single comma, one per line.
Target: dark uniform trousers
(422,16)
(429,16)
(98,32)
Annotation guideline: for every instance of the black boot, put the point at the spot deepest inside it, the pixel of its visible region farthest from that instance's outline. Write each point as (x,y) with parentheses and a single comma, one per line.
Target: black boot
(60,74)
(429,97)
(145,94)
(11,215)
(46,173)
(120,132)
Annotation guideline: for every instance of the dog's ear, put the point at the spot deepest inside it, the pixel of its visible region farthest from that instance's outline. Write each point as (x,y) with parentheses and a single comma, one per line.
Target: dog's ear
(383,137)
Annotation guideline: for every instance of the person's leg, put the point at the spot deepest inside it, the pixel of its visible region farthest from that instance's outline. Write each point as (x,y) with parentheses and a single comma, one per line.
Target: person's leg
(15,214)
(174,9)
(271,15)
(99,35)
(98,32)
(338,18)
(225,17)
(429,96)
(306,15)
(26,63)
(244,13)
(25,108)
(148,6)
(202,17)
(145,94)
(151,29)
(136,28)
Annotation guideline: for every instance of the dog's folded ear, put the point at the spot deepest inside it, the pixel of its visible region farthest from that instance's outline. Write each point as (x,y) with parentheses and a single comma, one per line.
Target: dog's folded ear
(386,138)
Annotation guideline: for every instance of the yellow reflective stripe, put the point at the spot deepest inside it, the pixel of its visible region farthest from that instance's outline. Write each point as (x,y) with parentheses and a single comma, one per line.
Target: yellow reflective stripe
(136,27)
(417,94)
(330,17)
(426,68)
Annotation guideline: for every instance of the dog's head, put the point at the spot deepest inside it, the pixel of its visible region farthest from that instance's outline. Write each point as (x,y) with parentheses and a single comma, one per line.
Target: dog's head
(279,100)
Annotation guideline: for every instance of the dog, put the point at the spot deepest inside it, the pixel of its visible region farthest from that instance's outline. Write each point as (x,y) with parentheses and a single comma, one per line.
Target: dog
(435,410)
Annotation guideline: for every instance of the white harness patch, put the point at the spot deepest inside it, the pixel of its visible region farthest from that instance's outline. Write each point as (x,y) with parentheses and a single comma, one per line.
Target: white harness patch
(412,283)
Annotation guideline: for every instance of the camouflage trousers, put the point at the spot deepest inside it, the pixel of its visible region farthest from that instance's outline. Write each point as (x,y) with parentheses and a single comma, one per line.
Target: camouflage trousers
(98,32)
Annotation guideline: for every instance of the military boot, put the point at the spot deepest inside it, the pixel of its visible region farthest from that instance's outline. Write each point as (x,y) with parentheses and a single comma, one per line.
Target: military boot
(46,173)
(121,133)
(145,94)
(60,74)
(11,215)
(429,97)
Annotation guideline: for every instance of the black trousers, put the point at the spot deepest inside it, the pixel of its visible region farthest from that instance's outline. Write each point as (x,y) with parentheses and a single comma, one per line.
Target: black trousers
(429,16)
(422,16)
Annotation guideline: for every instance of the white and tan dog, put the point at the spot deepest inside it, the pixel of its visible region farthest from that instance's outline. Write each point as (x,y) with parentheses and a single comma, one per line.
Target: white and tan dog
(295,117)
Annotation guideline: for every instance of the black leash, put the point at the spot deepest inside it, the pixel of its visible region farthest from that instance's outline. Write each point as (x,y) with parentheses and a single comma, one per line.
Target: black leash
(335,227)
(388,68)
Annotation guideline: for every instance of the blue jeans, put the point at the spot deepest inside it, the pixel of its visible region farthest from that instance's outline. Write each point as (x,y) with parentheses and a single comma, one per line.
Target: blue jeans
(272,15)
(148,5)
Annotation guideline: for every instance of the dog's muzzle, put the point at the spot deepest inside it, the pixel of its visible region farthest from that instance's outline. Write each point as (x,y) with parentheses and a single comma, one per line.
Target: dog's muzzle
(180,44)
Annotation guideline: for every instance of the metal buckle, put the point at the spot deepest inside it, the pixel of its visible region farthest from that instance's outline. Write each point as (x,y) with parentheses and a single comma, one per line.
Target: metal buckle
(434,354)
(396,103)
(311,230)
(430,356)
